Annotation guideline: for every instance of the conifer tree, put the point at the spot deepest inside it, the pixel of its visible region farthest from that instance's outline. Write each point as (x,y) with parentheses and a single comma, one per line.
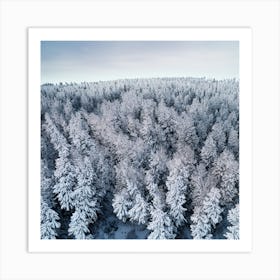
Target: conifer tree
(121,205)
(206,216)
(211,206)
(226,169)
(176,192)
(209,151)
(233,141)
(84,200)
(161,225)
(218,135)
(233,218)
(49,221)
(65,174)
(186,131)
(200,226)
(140,210)
(78,226)
(66,181)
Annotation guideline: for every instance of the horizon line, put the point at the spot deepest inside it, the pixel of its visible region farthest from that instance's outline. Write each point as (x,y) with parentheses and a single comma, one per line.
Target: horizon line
(142,78)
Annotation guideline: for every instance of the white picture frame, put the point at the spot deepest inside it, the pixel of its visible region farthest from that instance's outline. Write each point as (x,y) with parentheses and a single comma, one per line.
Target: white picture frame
(242,35)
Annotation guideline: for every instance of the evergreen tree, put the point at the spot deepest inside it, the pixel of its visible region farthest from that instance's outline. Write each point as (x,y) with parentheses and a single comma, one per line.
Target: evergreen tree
(200,227)
(233,142)
(49,221)
(79,134)
(211,206)
(233,218)
(147,129)
(186,131)
(66,180)
(78,226)
(201,183)
(176,192)
(84,200)
(206,216)
(56,137)
(64,173)
(226,169)
(161,225)
(209,151)
(219,136)
(47,181)
(139,211)
(121,205)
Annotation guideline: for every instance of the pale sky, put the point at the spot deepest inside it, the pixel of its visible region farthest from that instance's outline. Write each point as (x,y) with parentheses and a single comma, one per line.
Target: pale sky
(78,61)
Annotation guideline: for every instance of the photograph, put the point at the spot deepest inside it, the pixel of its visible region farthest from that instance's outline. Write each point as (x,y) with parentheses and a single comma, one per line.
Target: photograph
(139,139)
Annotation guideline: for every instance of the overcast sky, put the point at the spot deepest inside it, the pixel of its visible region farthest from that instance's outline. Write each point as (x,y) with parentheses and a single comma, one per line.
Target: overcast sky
(77,61)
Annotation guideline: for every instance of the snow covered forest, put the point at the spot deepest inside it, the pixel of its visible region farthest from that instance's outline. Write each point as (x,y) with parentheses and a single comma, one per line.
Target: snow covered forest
(140,159)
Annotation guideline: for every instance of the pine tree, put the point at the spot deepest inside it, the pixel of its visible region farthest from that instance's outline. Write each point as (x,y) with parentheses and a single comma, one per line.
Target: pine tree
(218,135)
(161,225)
(47,181)
(226,169)
(79,134)
(166,117)
(209,151)
(49,221)
(200,226)
(186,131)
(206,216)
(202,181)
(211,206)
(139,212)
(233,141)
(65,175)
(84,200)
(147,129)
(158,169)
(233,218)
(57,138)
(78,226)
(121,205)
(176,192)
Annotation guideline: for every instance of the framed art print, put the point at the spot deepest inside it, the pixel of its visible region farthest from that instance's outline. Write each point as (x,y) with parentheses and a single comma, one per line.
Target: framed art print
(131,132)
(140,139)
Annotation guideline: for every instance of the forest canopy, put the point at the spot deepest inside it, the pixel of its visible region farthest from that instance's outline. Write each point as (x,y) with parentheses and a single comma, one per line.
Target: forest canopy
(140,158)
